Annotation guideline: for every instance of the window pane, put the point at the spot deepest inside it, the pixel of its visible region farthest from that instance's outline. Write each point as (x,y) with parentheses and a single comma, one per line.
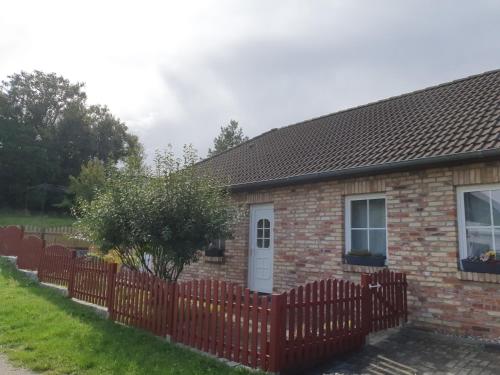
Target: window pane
(260,224)
(477,208)
(497,243)
(259,243)
(266,243)
(495,201)
(377,213)
(359,239)
(260,233)
(377,242)
(358,214)
(267,233)
(479,241)
(267,224)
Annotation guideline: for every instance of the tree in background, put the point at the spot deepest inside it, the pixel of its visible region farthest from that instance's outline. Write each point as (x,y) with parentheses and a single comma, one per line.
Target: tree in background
(47,131)
(40,99)
(157,219)
(230,135)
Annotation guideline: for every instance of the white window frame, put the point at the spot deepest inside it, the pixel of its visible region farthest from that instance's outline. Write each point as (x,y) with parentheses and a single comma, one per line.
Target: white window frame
(462,233)
(347,216)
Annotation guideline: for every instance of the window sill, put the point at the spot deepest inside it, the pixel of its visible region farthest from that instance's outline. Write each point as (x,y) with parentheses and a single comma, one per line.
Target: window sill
(216,260)
(479,277)
(360,269)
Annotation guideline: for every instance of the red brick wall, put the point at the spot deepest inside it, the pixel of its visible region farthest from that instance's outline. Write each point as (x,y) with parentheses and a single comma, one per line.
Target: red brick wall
(422,241)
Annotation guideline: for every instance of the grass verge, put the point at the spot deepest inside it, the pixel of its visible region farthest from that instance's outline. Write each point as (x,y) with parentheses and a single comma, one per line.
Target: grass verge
(43,331)
(8,217)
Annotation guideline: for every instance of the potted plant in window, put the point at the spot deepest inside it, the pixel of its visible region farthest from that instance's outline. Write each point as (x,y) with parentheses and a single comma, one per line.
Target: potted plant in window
(485,263)
(365,258)
(215,249)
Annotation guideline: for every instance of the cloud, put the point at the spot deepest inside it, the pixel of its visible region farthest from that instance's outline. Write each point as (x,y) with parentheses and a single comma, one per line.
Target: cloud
(176,72)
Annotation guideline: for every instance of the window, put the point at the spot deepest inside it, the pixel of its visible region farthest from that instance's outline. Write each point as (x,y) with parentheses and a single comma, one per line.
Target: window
(263,234)
(479,220)
(366,228)
(216,248)
(217,244)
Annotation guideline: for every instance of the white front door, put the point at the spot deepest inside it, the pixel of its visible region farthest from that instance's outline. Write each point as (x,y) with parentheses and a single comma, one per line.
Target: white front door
(261,249)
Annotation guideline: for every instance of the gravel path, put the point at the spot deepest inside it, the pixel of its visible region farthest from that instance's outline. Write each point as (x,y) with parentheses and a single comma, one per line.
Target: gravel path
(7,369)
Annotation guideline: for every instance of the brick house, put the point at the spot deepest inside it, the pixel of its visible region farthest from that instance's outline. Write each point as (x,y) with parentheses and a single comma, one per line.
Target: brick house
(414,178)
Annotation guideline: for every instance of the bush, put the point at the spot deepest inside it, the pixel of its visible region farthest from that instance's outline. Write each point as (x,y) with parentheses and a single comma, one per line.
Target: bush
(157,219)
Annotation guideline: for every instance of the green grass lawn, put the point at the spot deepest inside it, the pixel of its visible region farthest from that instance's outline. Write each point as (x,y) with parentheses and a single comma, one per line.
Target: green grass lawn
(9,217)
(48,333)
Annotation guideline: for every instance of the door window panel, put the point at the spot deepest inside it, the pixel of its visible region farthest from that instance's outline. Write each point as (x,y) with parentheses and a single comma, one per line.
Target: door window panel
(263,234)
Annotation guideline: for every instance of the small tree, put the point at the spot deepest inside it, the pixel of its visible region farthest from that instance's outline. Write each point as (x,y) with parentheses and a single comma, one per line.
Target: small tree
(230,135)
(158,218)
(91,179)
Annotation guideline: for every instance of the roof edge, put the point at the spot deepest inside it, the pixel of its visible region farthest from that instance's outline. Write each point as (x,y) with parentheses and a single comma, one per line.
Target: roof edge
(370,170)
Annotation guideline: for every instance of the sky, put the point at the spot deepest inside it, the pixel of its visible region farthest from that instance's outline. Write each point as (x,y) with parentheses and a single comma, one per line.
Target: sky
(176,71)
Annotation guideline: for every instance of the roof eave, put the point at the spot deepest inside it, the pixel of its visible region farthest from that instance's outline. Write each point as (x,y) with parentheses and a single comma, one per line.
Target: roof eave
(434,161)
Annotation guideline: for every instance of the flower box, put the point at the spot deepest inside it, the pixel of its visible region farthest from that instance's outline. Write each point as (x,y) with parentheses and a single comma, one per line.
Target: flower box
(214,252)
(365,260)
(492,266)
(215,249)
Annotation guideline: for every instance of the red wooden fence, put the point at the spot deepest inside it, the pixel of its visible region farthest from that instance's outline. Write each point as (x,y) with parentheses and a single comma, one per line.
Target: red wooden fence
(223,319)
(278,332)
(387,299)
(92,280)
(29,253)
(143,301)
(10,240)
(321,319)
(56,265)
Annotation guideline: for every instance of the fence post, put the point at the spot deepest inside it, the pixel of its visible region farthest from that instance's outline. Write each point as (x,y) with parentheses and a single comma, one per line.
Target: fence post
(366,294)
(277,333)
(110,293)
(72,271)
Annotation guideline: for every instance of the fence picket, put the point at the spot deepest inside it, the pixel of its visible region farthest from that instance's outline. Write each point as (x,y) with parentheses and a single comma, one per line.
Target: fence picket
(314,313)
(229,342)
(307,327)
(291,320)
(237,318)
(246,325)
(206,329)
(214,310)
(199,330)
(194,314)
(300,355)
(263,334)
(321,318)
(221,320)
(255,327)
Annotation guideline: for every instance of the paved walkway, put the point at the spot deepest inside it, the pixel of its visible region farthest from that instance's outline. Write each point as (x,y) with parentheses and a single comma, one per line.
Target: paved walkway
(7,369)
(410,351)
